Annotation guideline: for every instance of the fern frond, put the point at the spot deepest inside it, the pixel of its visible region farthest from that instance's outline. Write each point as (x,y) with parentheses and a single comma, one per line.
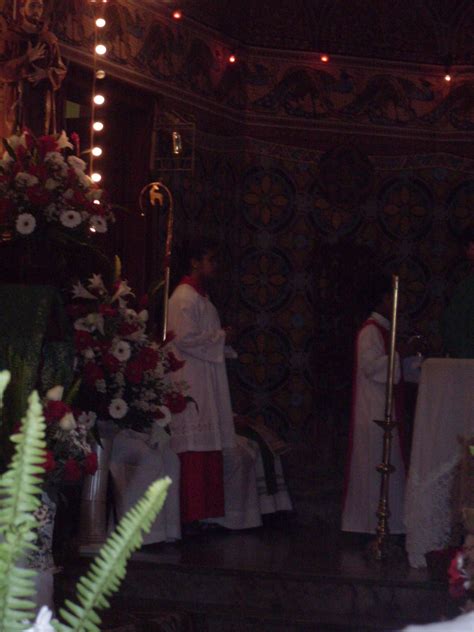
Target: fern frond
(109,568)
(20,493)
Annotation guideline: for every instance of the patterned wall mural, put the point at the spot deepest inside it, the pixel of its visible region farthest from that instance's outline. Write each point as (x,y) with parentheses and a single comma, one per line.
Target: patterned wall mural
(308,187)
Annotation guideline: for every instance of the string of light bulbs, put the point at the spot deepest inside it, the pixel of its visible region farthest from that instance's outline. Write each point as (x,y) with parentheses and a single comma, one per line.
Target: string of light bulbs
(98,98)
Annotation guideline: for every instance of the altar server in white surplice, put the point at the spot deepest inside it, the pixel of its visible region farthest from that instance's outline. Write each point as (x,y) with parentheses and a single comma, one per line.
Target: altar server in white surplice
(362,485)
(201,432)
(219,470)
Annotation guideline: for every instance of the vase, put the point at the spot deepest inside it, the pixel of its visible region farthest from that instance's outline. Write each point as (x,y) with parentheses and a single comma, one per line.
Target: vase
(40,559)
(93,517)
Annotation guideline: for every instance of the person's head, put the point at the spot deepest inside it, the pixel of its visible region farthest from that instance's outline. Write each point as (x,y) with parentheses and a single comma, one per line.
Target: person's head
(467,243)
(380,295)
(200,258)
(31,12)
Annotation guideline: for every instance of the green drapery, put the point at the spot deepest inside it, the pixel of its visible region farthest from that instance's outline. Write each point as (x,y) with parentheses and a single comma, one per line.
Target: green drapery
(36,346)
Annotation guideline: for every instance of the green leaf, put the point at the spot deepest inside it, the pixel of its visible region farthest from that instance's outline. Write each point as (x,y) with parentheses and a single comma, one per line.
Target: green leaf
(109,568)
(19,498)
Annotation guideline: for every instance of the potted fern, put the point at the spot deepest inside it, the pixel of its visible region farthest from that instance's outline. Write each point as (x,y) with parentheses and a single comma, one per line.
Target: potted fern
(20,492)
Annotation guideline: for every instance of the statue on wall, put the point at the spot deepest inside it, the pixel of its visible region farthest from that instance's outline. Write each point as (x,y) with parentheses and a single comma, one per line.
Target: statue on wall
(32,71)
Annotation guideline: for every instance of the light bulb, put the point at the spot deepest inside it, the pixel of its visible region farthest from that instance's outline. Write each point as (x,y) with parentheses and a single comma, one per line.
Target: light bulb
(100,49)
(232,59)
(92,229)
(96,202)
(324,58)
(98,126)
(96,177)
(100,74)
(100,23)
(99,99)
(447,77)
(96,151)
(177,14)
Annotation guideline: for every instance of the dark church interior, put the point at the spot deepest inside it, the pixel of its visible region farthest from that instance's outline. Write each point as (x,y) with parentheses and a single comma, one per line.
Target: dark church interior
(318,146)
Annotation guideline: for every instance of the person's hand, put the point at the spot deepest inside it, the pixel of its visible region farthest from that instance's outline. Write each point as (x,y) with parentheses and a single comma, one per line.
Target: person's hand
(38,75)
(34,53)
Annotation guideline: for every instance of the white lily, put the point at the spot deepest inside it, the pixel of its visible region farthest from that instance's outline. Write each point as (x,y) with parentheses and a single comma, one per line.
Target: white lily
(43,621)
(55,394)
(79,291)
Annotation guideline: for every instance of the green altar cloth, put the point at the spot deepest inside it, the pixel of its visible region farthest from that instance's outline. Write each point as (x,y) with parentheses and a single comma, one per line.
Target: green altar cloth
(458,321)
(36,345)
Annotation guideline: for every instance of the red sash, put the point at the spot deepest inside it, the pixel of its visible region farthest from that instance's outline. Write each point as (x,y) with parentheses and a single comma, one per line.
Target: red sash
(398,402)
(194,283)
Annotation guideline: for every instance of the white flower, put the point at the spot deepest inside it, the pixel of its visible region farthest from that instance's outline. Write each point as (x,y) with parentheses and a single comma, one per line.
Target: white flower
(122,351)
(56,158)
(79,291)
(89,354)
(68,194)
(118,408)
(68,422)
(164,410)
(63,141)
(43,621)
(70,219)
(90,323)
(51,184)
(25,223)
(77,164)
(123,290)
(96,283)
(87,419)
(26,179)
(15,141)
(6,160)
(55,394)
(99,224)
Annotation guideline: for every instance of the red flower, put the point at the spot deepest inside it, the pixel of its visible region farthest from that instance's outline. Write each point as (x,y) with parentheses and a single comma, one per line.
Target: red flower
(111,363)
(46,144)
(457,577)
(134,372)
(55,411)
(176,402)
(72,471)
(83,340)
(127,329)
(92,373)
(38,196)
(107,310)
(49,463)
(170,335)
(148,358)
(173,363)
(90,463)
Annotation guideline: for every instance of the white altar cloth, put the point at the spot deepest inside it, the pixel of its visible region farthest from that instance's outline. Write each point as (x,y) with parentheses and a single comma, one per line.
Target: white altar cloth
(444,412)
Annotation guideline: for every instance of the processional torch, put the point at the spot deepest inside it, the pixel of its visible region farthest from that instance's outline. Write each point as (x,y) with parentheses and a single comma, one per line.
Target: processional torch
(154,195)
(380,548)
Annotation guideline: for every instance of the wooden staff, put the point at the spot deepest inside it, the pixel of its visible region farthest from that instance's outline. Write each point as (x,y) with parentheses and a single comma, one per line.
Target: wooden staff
(379,548)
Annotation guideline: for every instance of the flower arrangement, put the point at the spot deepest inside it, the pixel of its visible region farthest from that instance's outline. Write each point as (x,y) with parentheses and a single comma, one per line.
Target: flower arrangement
(69,455)
(125,375)
(43,184)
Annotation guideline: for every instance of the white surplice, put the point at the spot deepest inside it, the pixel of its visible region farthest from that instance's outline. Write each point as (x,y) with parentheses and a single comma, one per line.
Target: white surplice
(199,341)
(136,462)
(363,486)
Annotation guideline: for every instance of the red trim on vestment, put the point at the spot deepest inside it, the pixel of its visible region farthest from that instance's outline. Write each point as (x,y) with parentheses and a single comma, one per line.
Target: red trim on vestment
(194,283)
(202,486)
(398,397)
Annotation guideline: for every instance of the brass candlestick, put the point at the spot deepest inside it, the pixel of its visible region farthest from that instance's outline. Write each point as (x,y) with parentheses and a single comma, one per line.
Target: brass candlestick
(380,548)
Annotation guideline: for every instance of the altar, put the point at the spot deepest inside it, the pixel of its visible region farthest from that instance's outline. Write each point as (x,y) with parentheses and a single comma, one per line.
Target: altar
(444,413)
